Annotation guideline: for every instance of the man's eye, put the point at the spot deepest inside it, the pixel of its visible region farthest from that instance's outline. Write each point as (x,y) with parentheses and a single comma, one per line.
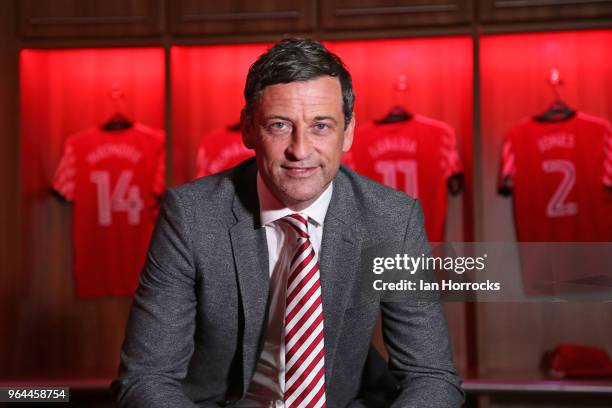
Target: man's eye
(321,126)
(278,126)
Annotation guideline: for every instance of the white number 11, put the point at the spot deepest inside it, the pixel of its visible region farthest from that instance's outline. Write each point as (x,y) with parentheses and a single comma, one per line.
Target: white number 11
(389,170)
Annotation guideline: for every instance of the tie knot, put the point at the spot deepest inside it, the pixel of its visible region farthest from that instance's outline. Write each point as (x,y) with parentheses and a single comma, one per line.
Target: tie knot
(298,223)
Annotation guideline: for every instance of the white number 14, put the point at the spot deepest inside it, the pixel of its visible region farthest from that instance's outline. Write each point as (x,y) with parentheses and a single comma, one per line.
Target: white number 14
(123,197)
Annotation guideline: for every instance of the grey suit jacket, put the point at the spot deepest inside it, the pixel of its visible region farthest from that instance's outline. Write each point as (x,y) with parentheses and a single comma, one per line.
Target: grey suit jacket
(197,322)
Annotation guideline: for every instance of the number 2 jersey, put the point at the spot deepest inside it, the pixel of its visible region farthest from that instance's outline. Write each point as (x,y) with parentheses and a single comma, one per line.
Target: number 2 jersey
(115,180)
(417,156)
(560,175)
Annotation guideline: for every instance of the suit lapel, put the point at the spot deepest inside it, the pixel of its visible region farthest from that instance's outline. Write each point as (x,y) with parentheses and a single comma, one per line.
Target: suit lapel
(250,251)
(338,262)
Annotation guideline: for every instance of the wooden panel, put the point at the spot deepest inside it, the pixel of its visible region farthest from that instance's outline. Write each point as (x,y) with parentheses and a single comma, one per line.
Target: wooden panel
(352,14)
(56,335)
(535,400)
(193,17)
(514,336)
(512,11)
(514,68)
(9,203)
(76,18)
(207,85)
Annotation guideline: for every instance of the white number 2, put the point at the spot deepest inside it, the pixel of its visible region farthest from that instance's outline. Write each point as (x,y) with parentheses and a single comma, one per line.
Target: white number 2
(122,198)
(557,206)
(389,170)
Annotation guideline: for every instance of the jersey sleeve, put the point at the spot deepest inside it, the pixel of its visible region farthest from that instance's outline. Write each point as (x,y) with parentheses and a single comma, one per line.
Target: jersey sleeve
(65,173)
(607,173)
(450,155)
(507,168)
(158,137)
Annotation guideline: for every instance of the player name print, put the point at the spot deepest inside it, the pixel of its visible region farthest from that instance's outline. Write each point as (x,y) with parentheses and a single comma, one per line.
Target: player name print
(562,140)
(108,150)
(392,144)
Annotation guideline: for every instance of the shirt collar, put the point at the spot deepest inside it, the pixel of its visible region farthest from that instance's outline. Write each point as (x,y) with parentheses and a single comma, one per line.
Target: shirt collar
(271,209)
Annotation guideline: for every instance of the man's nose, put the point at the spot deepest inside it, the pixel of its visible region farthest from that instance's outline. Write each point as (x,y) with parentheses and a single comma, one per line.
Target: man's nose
(300,147)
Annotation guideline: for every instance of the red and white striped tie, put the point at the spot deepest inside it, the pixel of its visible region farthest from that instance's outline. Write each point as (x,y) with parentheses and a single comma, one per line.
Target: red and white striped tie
(304,351)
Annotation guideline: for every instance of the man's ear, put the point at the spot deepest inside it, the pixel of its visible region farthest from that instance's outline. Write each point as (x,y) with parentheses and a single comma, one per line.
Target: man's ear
(349,133)
(246,129)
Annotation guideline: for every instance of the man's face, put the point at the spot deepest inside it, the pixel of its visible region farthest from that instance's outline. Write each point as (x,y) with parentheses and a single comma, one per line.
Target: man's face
(298,136)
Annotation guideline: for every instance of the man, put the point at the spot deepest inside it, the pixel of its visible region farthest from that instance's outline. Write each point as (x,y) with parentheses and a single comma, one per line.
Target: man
(250,294)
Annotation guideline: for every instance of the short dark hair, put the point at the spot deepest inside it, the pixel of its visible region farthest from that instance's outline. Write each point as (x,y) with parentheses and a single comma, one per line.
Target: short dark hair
(292,60)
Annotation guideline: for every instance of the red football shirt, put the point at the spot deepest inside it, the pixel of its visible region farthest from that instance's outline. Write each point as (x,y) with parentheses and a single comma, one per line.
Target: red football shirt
(415,156)
(558,173)
(219,150)
(114,179)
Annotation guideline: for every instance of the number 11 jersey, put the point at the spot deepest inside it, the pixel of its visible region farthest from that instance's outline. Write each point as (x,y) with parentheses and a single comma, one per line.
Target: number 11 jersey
(115,180)
(417,157)
(560,175)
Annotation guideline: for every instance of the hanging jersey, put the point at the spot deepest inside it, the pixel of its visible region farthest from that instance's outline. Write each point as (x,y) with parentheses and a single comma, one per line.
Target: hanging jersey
(417,156)
(557,173)
(114,180)
(219,150)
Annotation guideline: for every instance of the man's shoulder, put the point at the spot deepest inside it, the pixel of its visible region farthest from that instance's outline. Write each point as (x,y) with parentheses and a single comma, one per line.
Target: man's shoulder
(382,215)
(212,195)
(208,189)
(374,199)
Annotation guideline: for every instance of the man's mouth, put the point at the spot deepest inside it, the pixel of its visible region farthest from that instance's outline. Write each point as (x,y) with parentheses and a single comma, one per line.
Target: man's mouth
(299,171)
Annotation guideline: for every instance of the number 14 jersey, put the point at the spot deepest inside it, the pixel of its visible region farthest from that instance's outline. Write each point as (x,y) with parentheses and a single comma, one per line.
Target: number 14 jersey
(114,179)
(560,175)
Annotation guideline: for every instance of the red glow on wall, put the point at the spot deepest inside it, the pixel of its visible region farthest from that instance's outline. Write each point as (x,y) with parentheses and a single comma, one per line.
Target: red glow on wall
(207,85)
(515,69)
(438,75)
(64,91)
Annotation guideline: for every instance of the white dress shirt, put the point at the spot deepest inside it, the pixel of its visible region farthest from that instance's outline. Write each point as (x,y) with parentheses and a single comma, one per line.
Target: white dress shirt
(268,384)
